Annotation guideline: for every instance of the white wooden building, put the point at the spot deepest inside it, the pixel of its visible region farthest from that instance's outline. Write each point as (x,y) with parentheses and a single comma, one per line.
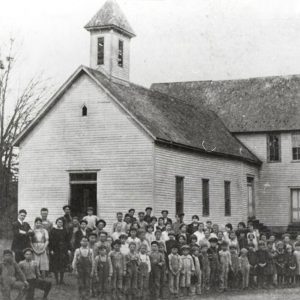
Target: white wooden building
(103,141)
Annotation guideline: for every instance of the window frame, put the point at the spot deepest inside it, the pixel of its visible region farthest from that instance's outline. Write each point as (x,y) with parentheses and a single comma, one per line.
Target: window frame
(205,198)
(179,179)
(100,60)
(268,147)
(121,53)
(297,148)
(227,198)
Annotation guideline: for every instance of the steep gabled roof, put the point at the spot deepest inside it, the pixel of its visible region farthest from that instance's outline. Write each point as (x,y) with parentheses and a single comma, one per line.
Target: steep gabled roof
(166,119)
(110,16)
(246,105)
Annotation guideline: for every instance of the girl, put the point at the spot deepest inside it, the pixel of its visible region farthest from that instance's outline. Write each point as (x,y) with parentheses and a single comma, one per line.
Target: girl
(161,225)
(291,265)
(233,241)
(59,247)
(200,233)
(149,234)
(39,244)
(133,238)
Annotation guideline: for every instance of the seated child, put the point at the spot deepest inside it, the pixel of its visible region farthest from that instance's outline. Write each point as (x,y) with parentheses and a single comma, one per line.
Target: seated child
(31,271)
(9,271)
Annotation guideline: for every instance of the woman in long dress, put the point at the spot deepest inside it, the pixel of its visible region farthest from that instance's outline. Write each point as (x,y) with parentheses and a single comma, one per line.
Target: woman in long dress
(59,247)
(39,244)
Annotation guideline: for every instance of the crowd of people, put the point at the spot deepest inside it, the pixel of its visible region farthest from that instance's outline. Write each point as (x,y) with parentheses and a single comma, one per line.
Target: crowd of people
(145,257)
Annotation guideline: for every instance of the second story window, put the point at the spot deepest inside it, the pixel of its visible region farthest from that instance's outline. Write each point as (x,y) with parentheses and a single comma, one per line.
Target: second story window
(100,51)
(121,54)
(273,147)
(296,145)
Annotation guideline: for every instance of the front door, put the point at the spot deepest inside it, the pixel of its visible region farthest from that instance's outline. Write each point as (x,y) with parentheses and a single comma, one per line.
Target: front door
(251,197)
(295,194)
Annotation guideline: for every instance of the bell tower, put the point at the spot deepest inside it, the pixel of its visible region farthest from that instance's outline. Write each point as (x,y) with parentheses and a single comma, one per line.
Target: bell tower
(110,35)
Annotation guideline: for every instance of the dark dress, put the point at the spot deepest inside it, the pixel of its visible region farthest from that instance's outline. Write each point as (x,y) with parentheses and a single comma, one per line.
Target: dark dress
(291,264)
(20,241)
(59,244)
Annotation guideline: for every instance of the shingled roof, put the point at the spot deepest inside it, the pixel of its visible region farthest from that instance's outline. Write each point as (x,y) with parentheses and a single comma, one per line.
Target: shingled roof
(246,105)
(168,120)
(110,16)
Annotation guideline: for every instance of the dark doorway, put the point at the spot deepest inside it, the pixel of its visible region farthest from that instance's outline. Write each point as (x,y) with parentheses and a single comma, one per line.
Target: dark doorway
(83,193)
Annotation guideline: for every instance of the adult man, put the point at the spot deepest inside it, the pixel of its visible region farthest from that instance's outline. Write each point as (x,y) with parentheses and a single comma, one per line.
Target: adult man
(164,214)
(45,222)
(147,217)
(9,271)
(68,221)
(21,231)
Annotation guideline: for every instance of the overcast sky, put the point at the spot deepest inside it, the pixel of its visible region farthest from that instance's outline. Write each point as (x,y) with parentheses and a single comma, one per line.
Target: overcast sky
(177,40)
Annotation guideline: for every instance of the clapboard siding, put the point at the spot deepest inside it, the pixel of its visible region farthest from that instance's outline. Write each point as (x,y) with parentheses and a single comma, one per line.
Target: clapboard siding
(276,179)
(106,140)
(194,167)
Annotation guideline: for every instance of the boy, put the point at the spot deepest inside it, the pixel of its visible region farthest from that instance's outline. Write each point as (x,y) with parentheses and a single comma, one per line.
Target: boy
(175,265)
(171,242)
(9,271)
(214,263)
(144,271)
(164,287)
(103,241)
(243,242)
(196,278)
(188,269)
(132,263)
(93,246)
(204,262)
(103,272)
(245,268)
(252,258)
(84,266)
(225,265)
(157,261)
(82,232)
(280,262)
(144,241)
(234,273)
(120,222)
(91,218)
(262,258)
(31,271)
(119,269)
(291,265)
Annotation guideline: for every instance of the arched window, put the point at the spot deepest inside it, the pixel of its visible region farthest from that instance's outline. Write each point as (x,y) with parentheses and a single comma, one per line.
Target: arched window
(84,111)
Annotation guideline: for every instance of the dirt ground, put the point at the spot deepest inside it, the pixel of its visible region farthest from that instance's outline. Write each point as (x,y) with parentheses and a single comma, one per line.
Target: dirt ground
(69,291)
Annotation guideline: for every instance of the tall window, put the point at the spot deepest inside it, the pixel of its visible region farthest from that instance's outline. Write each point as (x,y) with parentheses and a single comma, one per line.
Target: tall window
(179,194)
(100,51)
(296,145)
(227,198)
(121,54)
(205,197)
(273,146)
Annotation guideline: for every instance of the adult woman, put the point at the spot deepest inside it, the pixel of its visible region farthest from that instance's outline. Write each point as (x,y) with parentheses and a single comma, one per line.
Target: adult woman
(59,247)
(39,244)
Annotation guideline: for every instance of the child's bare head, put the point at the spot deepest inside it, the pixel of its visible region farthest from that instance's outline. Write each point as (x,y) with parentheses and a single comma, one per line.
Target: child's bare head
(143,249)
(28,253)
(174,250)
(161,247)
(8,256)
(289,249)
(90,211)
(92,238)
(244,252)
(83,224)
(102,250)
(185,250)
(84,242)
(132,247)
(204,248)
(117,245)
(154,246)
(103,236)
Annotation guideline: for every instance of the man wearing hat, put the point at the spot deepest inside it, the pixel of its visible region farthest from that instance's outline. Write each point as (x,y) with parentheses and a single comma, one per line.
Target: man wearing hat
(147,217)
(9,271)
(21,232)
(164,214)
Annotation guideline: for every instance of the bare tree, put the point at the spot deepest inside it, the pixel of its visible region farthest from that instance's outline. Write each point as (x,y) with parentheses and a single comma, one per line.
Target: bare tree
(13,120)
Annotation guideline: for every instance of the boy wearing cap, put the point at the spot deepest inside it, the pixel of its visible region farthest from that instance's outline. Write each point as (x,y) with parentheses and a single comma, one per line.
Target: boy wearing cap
(9,271)
(188,269)
(157,261)
(175,265)
(84,267)
(119,269)
(225,265)
(103,273)
(144,272)
(30,269)
(91,218)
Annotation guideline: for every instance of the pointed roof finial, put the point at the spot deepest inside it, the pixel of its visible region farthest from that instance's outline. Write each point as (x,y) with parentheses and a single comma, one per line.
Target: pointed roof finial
(110,16)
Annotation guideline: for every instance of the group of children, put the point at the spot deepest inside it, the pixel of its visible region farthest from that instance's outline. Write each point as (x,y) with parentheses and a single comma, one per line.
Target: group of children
(152,258)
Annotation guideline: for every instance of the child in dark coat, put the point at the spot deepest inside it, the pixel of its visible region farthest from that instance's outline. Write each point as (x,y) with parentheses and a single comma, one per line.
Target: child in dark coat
(252,258)
(280,261)
(214,263)
(262,259)
(235,270)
